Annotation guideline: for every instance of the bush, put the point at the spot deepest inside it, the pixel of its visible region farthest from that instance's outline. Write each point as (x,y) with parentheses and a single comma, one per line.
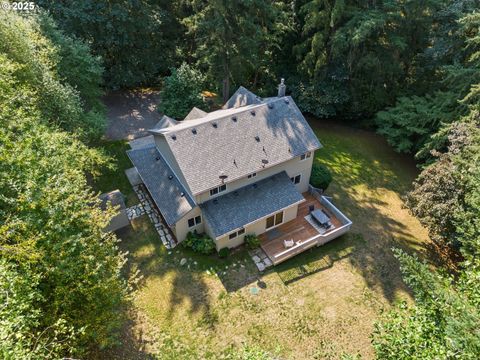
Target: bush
(182,91)
(224,252)
(252,241)
(321,177)
(202,244)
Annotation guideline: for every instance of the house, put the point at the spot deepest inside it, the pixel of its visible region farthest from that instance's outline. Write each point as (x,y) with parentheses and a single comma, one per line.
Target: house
(243,169)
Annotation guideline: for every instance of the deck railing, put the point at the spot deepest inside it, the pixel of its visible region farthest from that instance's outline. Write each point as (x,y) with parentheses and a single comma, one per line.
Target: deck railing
(319,239)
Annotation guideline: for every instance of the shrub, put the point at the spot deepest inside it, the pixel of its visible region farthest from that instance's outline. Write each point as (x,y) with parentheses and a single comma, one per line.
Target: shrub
(202,244)
(321,177)
(252,241)
(182,91)
(224,252)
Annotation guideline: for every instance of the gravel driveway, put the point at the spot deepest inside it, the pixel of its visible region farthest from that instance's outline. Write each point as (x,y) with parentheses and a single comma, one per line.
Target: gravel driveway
(130,113)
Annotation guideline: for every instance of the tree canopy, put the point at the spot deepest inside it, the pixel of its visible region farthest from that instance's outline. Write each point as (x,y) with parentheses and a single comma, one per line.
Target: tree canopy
(60,274)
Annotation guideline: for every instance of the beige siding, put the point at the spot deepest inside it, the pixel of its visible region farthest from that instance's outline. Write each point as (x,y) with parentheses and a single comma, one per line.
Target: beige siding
(293,167)
(181,228)
(258,227)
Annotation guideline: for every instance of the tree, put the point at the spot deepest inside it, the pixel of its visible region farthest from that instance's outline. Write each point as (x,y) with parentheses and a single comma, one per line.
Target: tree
(135,38)
(62,290)
(444,321)
(182,91)
(234,39)
(416,123)
(359,54)
(71,106)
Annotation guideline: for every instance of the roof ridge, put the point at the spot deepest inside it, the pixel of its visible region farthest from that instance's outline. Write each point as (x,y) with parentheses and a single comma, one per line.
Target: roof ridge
(231,112)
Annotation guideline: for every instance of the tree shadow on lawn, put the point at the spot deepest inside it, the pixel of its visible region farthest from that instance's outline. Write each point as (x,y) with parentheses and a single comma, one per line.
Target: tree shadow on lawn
(164,285)
(369,180)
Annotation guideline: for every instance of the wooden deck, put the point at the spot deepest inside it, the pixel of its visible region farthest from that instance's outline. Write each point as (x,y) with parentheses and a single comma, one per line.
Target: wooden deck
(299,229)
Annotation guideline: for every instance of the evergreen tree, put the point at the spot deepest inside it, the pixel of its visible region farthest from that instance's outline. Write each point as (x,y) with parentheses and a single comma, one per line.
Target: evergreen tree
(235,39)
(135,38)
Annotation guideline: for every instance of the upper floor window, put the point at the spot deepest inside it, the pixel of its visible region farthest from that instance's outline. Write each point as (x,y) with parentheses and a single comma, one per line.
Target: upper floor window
(252,175)
(306,155)
(194,221)
(296,179)
(217,190)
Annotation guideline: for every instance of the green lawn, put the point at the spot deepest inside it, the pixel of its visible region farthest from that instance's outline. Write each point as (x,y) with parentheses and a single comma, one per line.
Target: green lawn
(113,177)
(320,304)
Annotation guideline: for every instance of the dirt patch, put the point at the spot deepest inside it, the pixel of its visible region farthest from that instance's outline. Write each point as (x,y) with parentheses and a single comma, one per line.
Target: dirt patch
(130,113)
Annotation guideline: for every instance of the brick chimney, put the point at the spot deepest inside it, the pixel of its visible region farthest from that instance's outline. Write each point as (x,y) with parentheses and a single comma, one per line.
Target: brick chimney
(281,88)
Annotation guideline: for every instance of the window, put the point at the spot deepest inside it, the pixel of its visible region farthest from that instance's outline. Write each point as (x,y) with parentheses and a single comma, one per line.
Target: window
(217,190)
(236,233)
(296,179)
(274,220)
(306,155)
(279,218)
(194,221)
(270,221)
(252,175)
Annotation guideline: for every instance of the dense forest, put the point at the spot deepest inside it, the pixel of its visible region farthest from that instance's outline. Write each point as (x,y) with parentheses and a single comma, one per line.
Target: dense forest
(408,69)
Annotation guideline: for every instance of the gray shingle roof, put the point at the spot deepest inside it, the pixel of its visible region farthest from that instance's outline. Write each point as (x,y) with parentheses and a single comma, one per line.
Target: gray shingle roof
(241,97)
(243,206)
(161,183)
(165,122)
(195,113)
(234,142)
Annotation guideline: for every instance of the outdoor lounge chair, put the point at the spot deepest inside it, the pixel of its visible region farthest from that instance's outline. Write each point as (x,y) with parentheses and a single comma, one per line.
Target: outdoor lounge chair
(288,243)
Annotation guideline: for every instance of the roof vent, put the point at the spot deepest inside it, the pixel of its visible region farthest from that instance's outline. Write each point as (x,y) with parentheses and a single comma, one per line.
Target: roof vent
(215,201)
(157,158)
(182,194)
(264,162)
(234,118)
(270,105)
(174,137)
(252,112)
(215,125)
(170,177)
(257,138)
(287,101)
(194,131)
(254,186)
(235,193)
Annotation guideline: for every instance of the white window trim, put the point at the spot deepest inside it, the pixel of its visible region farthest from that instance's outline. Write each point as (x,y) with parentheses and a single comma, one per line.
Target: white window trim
(293,177)
(307,155)
(195,224)
(218,190)
(274,215)
(236,232)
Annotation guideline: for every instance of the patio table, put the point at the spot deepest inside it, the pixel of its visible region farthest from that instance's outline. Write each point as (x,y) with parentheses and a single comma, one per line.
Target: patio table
(319,216)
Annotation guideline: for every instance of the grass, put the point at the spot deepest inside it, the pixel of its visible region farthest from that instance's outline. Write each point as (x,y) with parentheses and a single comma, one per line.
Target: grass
(320,305)
(114,177)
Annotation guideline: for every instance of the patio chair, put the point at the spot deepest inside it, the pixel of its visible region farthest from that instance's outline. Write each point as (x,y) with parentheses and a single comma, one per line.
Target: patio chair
(288,243)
